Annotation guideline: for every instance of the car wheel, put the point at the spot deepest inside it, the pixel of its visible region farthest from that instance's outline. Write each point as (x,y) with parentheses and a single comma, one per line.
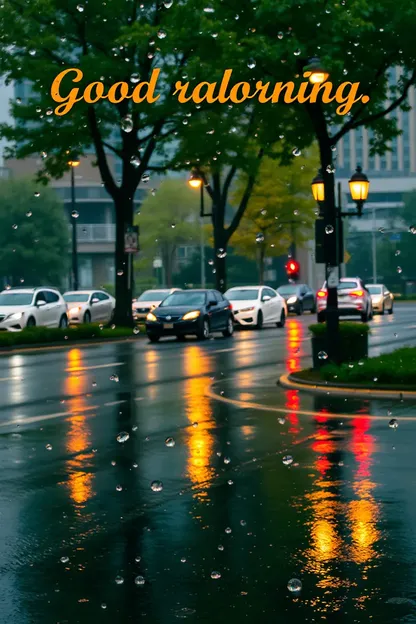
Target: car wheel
(31,322)
(391,309)
(228,332)
(63,323)
(320,317)
(259,324)
(299,310)
(382,310)
(153,337)
(87,317)
(313,309)
(203,332)
(364,317)
(282,321)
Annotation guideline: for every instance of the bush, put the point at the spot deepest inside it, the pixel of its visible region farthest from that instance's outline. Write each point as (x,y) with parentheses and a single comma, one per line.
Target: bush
(397,368)
(353,342)
(347,329)
(42,335)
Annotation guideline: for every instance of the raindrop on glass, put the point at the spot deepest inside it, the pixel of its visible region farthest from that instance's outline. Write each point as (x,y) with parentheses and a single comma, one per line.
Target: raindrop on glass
(119,488)
(220,547)
(75,214)
(170,442)
(127,123)
(399,269)
(227,460)
(221,253)
(322,355)
(381,230)
(329,229)
(15,226)
(48,447)
(156,486)
(145,177)
(64,559)
(135,161)
(29,213)
(412,229)
(397,252)
(260,238)
(228,530)
(243,522)
(287,460)
(211,262)
(296,213)
(119,580)
(215,575)
(103,605)
(80,8)
(36,194)
(32,52)
(330,169)
(183,560)
(280,35)
(167,3)
(136,330)
(251,63)
(161,34)
(209,9)
(139,580)
(393,424)
(296,151)
(297,52)
(115,378)
(123,436)
(294,585)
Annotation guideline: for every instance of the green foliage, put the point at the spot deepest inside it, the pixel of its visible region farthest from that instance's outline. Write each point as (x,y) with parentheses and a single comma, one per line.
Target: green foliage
(347,329)
(397,368)
(46,335)
(168,219)
(36,251)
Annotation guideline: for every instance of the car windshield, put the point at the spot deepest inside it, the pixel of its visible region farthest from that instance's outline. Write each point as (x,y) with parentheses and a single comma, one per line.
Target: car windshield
(15,299)
(184,299)
(78,297)
(374,290)
(287,290)
(243,294)
(347,285)
(153,295)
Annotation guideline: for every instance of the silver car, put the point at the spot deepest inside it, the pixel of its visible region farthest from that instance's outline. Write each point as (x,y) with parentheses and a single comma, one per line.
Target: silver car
(86,306)
(353,299)
(148,300)
(381,297)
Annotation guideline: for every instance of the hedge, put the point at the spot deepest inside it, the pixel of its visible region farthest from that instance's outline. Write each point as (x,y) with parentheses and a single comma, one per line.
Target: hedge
(42,335)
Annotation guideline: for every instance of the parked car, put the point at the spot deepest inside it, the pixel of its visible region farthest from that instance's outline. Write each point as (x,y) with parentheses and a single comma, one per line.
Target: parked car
(86,306)
(381,298)
(148,300)
(197,312)
(28,307)
(299,297)
(256,305)
(353,299)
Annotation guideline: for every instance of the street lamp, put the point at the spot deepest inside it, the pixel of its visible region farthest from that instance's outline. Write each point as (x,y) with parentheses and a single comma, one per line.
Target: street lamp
(315,71)
(318,187)
(195,181)
(73,162)
(359,187)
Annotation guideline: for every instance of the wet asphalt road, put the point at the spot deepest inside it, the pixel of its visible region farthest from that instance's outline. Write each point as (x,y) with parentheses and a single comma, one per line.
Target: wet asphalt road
(80,523)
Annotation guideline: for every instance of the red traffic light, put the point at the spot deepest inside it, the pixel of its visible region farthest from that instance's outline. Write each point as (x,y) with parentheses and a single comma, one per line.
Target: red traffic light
(292,267)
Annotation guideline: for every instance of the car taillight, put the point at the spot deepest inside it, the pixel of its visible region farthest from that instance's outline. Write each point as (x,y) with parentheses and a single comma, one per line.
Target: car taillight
(357,293)
(321,294)
(230,307)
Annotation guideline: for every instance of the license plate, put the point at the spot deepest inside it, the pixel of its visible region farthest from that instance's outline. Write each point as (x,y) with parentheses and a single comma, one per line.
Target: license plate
(168,325)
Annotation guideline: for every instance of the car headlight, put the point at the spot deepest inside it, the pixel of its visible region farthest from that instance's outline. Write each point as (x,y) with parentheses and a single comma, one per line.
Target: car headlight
(189,316)
(292,299)
(151,317)
(376,299)
(15,316)
(248,309)
(74,310)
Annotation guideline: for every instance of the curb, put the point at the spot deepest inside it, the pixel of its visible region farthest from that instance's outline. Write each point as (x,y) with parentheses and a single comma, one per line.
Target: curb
(49,346)
(290,382)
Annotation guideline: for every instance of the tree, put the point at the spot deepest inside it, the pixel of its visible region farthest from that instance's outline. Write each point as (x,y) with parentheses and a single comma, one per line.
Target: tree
(34,235)
(280,211)
(168,219)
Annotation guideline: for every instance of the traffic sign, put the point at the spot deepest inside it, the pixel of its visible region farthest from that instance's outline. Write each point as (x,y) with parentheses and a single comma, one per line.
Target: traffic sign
(347,257)
(131,239)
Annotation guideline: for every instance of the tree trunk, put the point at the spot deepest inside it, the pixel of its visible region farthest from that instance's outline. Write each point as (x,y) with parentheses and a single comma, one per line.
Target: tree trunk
(260,264)
(123,310)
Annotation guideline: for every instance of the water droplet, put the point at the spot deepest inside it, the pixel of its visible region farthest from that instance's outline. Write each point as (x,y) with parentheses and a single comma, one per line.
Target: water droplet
(75,214)
(260,237)
(280,35)
(145,177)
(329,229)
(119,488)
(228,530)
(395,334)
(221,253)
(115,378)
(18,100)
(375,378)
(64,559)
(119,580)
(399,269)
(29,213)
(173,225)
(138,559)
(251,63)
(227,460)
(243,522)
(263,212)
(170,442)
(230,482)
(48,447)
(136,330)
(294,585)
(15,226)
(296,213)
(127,123)
(139,580)
(161,34)
(215,575)
(233,130)
(297,52)
(322,355)
(296,151)
(135,161)
(167,3)
(209,9)
(287,460)
(393,424)
(211,131)
(122,437)
(397,252)
(412,229)
(381,230)
(220,547)
(211,262)
(103,605)
(156,486)
(183,560)
(32,52)
(120,272)
(330,169)
(80,8)
(281,420)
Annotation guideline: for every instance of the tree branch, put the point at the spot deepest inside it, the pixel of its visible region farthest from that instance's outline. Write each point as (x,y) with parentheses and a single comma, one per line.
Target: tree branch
(106,174)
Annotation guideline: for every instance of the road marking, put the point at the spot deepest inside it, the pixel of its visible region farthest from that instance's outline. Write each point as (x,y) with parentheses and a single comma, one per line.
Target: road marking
(110,403)
(78,369)
(280,410)
(33,419)
(11,378)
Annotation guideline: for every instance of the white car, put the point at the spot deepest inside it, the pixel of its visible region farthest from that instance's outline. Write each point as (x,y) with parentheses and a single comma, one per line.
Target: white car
(148,300)
(256,305)
(28,307)
(86,306)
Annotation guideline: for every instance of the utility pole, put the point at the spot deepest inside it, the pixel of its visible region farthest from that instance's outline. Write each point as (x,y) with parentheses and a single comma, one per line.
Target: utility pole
(373,247)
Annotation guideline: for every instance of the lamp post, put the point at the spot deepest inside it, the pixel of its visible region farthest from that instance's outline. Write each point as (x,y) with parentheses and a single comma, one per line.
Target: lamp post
(195,181)
(359,186)
(73,162)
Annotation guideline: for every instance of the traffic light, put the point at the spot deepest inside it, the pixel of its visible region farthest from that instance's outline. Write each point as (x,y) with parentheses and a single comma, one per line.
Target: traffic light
(292,269)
